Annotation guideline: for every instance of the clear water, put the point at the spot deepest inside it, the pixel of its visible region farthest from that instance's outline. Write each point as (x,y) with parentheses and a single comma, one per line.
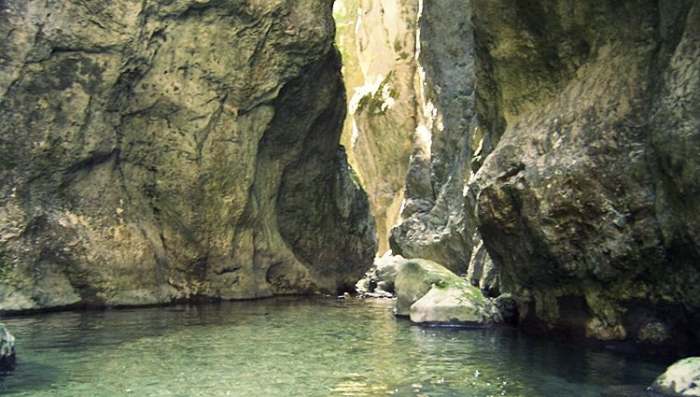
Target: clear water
(295,347)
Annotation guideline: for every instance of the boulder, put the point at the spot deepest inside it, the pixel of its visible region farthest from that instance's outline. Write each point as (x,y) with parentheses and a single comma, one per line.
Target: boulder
(680,379)
(454,304)
(428,292)
(415,278)
(7,349)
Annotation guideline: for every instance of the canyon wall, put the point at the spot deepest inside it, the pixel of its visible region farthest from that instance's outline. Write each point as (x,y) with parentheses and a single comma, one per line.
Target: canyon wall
(588,204)
(556,157)
(161,150)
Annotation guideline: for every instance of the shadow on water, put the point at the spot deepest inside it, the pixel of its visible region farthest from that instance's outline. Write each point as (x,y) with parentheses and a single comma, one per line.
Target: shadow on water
(39,377)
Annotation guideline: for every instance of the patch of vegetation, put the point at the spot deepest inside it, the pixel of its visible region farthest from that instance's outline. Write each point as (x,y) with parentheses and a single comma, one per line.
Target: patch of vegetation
(374,103)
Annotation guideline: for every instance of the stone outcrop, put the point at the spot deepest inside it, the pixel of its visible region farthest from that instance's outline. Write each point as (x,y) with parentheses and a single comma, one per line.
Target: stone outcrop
(161,150)
(410,111)
(434,223)
(556,157)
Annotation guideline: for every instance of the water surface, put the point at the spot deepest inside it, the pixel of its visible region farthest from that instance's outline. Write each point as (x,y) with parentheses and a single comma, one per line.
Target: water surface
(296,347)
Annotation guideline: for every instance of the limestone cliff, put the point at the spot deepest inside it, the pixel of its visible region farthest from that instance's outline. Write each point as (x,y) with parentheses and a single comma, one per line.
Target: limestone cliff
(434,222)
(160,150)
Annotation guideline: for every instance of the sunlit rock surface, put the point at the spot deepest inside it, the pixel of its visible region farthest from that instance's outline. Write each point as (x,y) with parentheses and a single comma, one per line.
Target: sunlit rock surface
(161,150)
(378,44)
(427,292)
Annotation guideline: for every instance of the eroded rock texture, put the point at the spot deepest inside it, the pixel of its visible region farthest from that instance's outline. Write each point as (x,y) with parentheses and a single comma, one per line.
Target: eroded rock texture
(155,150)
(413,111)
(434,223)
(588,205)
(379,66)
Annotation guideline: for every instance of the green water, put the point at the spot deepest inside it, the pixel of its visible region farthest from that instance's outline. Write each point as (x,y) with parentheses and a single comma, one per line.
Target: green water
(295,347)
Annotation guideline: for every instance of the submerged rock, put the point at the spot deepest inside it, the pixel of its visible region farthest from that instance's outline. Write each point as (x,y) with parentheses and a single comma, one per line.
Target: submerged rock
(7,349)
(680,379)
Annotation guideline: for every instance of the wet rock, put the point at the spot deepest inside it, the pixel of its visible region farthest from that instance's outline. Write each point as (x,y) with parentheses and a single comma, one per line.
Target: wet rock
(626,391)
(507,308)
(654,332)
(680,379)
(7,349)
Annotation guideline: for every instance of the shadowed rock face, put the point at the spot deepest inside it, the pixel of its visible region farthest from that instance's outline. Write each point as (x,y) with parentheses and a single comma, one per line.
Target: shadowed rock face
(588,204)
(155,150)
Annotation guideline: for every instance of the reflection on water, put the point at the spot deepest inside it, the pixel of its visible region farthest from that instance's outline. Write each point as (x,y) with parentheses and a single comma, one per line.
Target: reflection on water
(295,347)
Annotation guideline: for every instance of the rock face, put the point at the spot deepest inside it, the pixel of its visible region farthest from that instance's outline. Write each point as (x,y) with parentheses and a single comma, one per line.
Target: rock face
(587,204)
(680,379)
(434,223)
(410,112)
(161,150)
(7,349)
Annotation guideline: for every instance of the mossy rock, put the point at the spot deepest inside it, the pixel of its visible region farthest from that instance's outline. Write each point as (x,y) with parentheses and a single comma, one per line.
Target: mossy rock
(416,277)
(461,304)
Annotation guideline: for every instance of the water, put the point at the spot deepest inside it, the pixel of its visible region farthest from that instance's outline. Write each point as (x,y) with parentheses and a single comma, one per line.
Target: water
(295,347)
